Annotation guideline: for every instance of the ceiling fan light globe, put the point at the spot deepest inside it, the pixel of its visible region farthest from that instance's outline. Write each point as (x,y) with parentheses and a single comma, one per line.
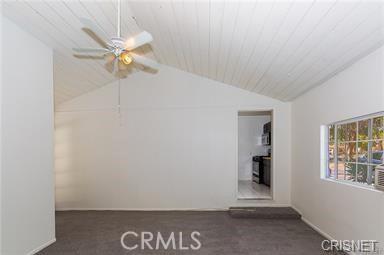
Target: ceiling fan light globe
(126,58)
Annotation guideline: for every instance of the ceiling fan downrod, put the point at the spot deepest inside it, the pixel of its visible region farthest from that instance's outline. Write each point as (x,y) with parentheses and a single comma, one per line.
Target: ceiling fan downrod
(119,18)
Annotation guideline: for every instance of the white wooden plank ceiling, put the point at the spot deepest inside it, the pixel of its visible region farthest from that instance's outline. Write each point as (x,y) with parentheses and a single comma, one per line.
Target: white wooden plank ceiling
(276,48)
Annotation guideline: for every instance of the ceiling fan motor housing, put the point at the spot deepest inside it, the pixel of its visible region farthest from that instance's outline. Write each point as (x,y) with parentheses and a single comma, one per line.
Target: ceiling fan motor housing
(117,46)
(118,41)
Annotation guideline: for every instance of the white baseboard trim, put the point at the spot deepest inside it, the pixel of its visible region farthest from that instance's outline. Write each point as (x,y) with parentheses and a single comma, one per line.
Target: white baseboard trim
(318,230)
(143,209)
(252,203)
(42,247)
(321,232)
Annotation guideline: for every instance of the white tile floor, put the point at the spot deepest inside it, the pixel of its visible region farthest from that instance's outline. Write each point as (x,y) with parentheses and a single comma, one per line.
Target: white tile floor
(249,190)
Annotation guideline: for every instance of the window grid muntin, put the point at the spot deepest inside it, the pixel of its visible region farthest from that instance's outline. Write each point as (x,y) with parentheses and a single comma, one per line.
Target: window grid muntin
(370,141)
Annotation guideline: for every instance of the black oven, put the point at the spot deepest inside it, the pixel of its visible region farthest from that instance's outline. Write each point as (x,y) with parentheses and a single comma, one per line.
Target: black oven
(257,172)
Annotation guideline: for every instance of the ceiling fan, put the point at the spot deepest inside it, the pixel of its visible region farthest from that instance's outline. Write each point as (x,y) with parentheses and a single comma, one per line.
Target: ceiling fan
(116,50)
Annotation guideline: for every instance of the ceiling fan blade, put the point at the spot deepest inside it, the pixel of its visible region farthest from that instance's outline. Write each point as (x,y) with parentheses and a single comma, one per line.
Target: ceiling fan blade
(82,56)
(138,40)
(95,37)
(145,61)
(109,57)
(96,30)
(91,50)
(121,65)
(110,63)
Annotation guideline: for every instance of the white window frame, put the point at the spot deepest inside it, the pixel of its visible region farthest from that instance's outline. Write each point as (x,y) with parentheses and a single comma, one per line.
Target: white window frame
(325,173)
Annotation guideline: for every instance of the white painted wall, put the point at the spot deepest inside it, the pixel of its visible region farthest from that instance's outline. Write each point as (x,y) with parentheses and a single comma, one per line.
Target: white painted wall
(250,130)
(1,103)
(176,146)
(27,143)
(342,211)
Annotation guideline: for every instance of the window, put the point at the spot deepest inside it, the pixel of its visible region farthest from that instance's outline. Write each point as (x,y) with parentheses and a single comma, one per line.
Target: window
(355,148)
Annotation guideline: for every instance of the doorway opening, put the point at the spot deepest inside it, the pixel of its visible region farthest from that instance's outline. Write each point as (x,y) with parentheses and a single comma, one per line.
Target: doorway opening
(255,131)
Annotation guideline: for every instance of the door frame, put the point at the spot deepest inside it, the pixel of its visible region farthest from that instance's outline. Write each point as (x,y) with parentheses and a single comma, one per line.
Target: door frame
(273,119)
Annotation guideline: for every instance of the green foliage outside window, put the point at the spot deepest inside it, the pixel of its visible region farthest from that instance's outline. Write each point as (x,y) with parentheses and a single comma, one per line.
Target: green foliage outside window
(360,148)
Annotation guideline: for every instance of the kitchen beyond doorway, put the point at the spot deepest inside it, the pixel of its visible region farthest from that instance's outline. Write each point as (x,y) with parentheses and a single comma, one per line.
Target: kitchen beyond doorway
(255,135)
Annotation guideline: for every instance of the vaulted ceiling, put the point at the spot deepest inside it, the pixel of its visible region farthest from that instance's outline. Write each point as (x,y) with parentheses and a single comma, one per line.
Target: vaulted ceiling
(276,48)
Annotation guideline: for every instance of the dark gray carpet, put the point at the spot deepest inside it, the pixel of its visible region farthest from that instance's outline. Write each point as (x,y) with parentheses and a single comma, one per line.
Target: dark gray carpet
(99,232)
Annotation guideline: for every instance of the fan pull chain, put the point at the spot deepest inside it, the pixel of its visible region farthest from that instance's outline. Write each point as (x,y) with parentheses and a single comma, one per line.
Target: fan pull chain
(118,102)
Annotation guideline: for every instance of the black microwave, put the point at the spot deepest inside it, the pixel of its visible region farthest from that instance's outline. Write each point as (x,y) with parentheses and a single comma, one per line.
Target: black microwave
(266,139)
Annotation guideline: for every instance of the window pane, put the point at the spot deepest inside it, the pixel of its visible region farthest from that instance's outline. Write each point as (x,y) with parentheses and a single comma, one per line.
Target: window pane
(362,152)
(371,175)
(331,160)
(347,132)
(331,133)
(350,171)
(331,169)
(350,152)
(377,152)
(341,170)
(341,156)
(341,129)
(351,131)
(341,152)
(378,128)
(359,147)
(362,171)
(363,130)
(347,152)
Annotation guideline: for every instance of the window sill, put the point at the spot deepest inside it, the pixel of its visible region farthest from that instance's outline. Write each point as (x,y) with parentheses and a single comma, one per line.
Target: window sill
(352,184)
